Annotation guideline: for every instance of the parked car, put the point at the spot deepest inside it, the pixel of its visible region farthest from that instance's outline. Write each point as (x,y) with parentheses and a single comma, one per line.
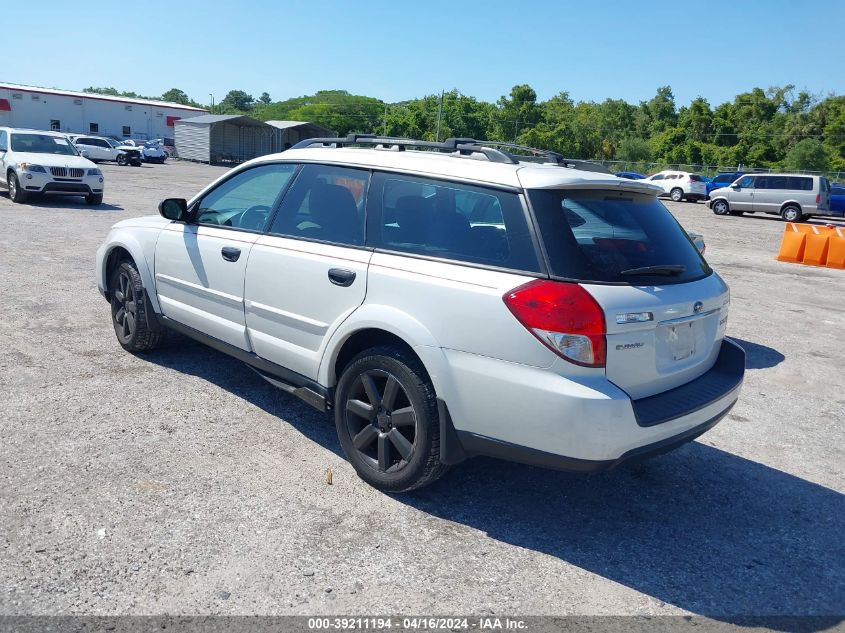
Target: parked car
(837,199)
(723,179)
(33,162)
(550,314)
(97,148)
(152,152)
(794,197)
(679,185)
(631,175)
(130,154)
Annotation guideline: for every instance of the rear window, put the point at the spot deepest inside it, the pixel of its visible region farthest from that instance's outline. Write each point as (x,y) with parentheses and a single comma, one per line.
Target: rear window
(605,237)
(695,178)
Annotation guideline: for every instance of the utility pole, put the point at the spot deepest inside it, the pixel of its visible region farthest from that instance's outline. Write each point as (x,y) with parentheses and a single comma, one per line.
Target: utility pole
(212,102)
(439,115)
(385,119)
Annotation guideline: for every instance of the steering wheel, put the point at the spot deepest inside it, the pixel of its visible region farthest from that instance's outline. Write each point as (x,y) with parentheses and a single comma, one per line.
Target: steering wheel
(255,217)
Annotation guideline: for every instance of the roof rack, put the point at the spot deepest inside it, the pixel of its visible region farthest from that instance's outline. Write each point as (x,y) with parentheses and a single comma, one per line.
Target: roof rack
(494,151)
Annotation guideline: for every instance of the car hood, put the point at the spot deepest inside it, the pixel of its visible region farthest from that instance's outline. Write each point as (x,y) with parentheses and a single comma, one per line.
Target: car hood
(54,160)
(720,190)
(146,221)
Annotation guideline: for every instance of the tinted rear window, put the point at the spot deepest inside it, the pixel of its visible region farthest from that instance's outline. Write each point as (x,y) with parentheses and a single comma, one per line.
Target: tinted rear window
(695,178)
(595,236)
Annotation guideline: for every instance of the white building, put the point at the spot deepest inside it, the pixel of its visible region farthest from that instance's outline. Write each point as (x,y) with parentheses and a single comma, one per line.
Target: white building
(85,113)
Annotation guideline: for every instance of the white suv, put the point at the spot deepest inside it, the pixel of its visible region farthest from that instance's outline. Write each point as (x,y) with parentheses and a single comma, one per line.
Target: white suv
(679,185)
(443,303)
(96,147)
(33,162)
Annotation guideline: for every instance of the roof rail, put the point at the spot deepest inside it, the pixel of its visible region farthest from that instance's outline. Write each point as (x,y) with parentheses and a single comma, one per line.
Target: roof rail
(494,151)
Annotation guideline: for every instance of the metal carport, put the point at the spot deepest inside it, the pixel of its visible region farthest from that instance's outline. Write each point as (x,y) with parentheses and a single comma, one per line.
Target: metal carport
(291,132)
(223,138)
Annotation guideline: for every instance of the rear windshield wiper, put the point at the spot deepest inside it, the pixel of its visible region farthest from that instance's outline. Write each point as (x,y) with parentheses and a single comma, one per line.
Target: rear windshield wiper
(662,269)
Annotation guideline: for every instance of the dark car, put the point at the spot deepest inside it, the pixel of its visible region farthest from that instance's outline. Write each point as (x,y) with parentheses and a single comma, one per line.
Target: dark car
(630,175)
(837,199)
(723,179)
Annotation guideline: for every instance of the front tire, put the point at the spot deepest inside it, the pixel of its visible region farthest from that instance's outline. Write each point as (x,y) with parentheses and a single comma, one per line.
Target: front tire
(129,310)
(720,207)
(122,160)
(387,420)
(16,193)
(676,194)
(791,213)
(94,199)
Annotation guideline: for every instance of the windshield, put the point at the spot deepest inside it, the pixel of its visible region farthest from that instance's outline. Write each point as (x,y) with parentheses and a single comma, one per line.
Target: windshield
(113,142)
(614,237)
(42,144)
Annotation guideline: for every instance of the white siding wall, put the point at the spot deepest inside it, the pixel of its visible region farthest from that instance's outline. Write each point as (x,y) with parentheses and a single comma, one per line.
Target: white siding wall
(192,142)
(144,121)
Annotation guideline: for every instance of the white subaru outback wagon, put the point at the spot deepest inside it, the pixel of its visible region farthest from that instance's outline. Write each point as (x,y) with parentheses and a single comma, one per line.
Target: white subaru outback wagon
(442,300)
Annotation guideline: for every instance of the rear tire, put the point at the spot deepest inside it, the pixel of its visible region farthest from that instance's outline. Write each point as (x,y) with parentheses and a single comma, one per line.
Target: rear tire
(387,421)
(129,307)
(721,207)
(791,213)
(676,194)
(16,193)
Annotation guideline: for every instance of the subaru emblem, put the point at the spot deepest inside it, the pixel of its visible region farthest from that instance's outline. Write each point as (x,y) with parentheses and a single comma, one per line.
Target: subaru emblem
(698,307)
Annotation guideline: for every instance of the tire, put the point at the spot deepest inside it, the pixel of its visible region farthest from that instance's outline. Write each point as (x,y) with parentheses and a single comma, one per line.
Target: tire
(129,307)
(94,199)
(377,389)
(121,160)
(721,207)
(677,194)
(791,213)
(16,194)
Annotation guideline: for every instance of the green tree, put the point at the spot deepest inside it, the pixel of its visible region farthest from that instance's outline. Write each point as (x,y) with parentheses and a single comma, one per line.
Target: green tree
(174,95)
(265,98)
(516,113)
(809,155)
(634,150)
(237,101)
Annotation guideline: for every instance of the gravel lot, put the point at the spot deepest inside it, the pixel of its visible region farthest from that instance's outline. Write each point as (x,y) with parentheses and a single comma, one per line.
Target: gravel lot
(179,482)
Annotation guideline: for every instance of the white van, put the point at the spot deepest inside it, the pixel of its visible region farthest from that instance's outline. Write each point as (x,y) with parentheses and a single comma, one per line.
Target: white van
(794,197)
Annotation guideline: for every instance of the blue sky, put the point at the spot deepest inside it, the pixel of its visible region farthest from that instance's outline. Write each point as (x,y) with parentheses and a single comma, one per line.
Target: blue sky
(399,50)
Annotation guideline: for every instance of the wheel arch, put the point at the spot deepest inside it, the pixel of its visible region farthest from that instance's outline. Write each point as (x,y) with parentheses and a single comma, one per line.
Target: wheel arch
(373,325)
(791,203)
(126,247)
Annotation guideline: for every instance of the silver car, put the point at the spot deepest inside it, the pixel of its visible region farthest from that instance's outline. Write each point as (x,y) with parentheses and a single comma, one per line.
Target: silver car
(794,197)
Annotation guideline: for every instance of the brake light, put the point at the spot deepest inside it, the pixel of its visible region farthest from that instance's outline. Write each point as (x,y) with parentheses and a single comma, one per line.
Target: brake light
(564,317)
(818,198)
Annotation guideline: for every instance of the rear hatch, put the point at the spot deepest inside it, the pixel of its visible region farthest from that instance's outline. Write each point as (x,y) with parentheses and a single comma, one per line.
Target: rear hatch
(665,310)
(697,185)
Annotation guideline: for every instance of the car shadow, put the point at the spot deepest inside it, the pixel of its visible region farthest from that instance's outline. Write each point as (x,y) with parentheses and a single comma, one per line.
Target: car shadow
(818,221)
(759,356)
(701,529)
(65,203)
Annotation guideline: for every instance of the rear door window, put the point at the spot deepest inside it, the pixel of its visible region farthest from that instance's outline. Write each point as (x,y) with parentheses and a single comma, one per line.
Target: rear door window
(325,203)
(614,237)
(452,221)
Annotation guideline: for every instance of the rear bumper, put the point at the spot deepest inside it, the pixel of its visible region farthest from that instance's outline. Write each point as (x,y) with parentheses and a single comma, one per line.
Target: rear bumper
(553,422)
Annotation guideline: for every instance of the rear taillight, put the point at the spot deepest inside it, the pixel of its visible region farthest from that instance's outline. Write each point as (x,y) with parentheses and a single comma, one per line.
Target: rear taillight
(564,317)
(818,198)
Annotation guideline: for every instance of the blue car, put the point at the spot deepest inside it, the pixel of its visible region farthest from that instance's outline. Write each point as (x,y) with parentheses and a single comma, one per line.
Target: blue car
(723,180)
(837,199)
(630,175)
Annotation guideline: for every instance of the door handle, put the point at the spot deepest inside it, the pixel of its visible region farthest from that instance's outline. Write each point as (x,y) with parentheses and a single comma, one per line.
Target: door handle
(341,277)
(230,253)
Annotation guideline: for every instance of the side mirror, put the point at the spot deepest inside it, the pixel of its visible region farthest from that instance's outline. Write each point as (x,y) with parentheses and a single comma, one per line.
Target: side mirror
(737,187)
(174,209)
(85,153)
